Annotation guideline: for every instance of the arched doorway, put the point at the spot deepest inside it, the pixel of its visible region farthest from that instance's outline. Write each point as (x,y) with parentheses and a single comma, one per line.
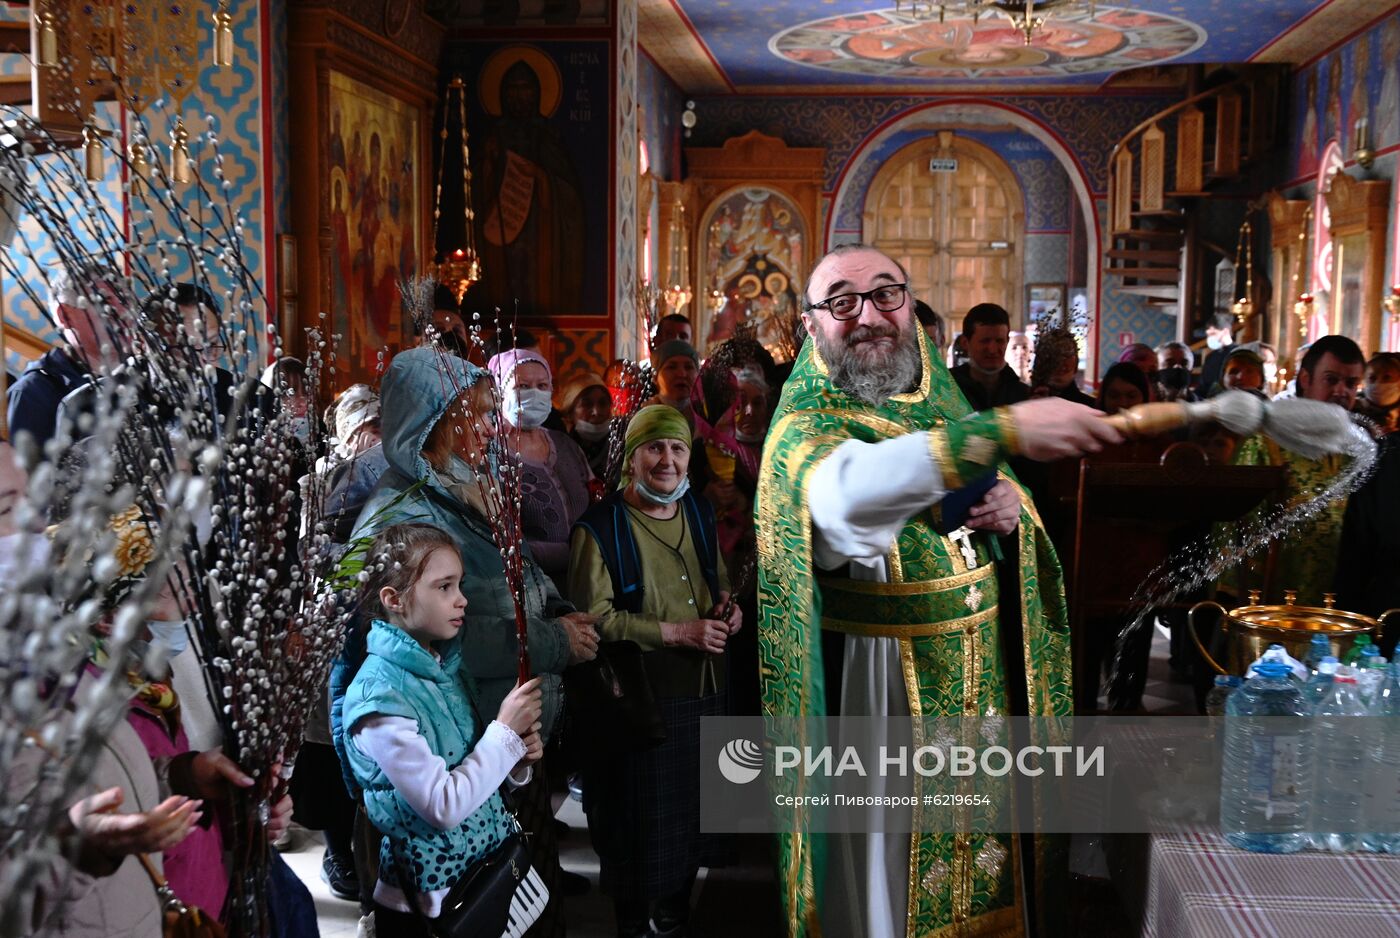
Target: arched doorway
(951,211)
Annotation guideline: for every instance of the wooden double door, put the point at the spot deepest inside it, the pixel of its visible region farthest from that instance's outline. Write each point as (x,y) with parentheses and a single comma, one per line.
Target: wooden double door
(950,210)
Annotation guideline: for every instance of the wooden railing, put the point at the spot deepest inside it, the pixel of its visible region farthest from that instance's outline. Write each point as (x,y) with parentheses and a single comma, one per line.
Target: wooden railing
(1245,113)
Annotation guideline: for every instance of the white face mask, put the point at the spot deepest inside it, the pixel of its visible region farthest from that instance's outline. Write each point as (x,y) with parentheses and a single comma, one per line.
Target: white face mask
(1270,373)
(301,428)
(173,637)
(20,555)
(592,432)
(526,408)
(1214,342)
(1383,393)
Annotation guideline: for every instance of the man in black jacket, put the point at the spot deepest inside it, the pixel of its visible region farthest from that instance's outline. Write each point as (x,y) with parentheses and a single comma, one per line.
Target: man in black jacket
(32,401)
(985,378)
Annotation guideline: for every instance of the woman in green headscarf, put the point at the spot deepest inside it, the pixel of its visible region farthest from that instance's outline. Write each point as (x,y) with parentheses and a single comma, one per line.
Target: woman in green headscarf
(646,561)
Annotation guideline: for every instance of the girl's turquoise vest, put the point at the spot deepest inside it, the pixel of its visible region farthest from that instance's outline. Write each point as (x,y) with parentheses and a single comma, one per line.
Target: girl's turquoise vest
(399,678)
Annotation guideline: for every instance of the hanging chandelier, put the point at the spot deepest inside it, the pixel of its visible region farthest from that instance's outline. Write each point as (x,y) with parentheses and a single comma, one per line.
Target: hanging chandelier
(459,268)
(1028,16)
(87,50)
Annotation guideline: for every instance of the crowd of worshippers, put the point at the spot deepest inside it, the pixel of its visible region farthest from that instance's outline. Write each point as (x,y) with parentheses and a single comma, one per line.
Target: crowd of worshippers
(424,727)
(424,723)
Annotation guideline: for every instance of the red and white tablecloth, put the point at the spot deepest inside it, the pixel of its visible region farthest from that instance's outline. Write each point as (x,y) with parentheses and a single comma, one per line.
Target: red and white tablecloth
(1198,886)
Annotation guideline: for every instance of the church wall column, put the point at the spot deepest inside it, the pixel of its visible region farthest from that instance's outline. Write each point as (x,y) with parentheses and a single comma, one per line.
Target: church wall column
(626,332)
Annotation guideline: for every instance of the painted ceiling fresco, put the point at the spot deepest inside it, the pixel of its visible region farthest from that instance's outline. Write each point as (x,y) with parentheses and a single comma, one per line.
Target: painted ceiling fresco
(808,44)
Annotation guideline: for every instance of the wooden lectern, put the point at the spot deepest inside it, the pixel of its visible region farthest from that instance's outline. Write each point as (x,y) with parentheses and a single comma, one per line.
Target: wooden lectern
(1132,511)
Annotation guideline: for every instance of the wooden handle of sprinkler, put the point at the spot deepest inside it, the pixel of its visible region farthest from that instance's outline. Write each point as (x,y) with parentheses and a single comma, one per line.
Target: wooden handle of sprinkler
(1150,419)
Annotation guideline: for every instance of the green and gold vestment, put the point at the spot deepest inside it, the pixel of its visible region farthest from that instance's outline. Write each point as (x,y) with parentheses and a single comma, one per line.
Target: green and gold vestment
(944,616)
(1307,557)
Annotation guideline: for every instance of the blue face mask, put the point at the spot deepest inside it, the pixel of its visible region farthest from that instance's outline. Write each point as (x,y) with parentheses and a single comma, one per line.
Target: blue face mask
(659,498)
(172,636)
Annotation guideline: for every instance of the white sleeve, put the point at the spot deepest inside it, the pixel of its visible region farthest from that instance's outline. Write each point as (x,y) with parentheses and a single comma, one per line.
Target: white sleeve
(861,495)
(444,799)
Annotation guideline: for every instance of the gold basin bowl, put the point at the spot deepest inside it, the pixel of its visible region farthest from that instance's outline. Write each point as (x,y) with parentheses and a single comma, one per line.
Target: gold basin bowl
(1246,632)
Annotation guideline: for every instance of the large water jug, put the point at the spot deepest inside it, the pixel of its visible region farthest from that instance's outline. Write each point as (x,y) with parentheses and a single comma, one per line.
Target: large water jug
(1381,803)
(1340,758)
(1265,770)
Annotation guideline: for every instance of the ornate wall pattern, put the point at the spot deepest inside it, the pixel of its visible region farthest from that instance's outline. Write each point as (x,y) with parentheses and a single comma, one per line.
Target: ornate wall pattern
(1089,125)
(1047,259)
(233,97)
(576,350)
(1121,312)
(1041,177)
(628,333)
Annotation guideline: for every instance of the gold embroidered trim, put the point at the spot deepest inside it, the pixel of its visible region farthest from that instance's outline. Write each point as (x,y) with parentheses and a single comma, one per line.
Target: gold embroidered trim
(943,458)
(878,630)
(916,710)
(991,858)
(979,450)
(1001,923)
(1010,436)
(911,588)
(925,369)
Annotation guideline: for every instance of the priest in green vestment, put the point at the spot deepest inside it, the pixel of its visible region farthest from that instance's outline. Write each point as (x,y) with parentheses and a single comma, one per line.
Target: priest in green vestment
(869,439)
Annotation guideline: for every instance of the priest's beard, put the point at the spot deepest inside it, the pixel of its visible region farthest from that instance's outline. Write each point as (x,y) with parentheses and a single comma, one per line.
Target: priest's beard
(870,373)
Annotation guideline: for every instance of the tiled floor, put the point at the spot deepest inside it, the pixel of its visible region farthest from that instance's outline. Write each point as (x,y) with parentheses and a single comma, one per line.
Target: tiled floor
(1161,694)
(747,886)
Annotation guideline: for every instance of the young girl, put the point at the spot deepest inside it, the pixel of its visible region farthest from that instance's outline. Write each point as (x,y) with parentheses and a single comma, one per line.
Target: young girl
(429,772)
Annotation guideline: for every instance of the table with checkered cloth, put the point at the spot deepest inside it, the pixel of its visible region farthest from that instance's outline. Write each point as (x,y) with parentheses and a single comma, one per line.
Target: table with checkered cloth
(1198,886)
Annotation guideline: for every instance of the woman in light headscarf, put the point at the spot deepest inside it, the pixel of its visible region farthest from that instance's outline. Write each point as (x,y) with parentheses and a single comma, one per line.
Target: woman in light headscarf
(646,561)
(555,481)
(587,407)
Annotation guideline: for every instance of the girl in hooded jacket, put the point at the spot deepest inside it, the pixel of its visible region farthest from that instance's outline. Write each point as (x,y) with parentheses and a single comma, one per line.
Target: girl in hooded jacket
(427,768)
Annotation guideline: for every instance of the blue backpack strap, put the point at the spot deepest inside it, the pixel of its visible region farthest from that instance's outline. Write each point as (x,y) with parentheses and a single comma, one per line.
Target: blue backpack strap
(702,521)
(607,523)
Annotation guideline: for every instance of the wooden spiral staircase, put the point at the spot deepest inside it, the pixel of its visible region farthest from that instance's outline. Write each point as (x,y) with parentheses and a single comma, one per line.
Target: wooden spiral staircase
(1167,166)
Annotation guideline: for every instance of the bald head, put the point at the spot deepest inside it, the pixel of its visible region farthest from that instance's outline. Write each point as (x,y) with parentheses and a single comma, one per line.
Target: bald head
(822,285)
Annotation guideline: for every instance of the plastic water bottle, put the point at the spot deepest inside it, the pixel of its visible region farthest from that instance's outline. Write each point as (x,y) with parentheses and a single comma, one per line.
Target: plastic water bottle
(1320,684)
(1372,674)
(1319,648)
(1340,756)
(1225,685)
(1381,805)
(1265,771)
(1358,648)
(1280,654)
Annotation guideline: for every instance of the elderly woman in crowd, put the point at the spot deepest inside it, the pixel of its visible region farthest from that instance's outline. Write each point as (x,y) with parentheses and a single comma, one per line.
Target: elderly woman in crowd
(437,413)
(555,481)
(587,406)
(646,561)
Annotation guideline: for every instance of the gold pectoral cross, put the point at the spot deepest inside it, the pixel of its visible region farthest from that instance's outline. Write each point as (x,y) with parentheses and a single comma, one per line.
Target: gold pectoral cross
(963,538)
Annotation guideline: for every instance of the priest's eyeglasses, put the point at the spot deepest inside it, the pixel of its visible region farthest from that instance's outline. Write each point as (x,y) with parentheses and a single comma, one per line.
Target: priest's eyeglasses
(843,306)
